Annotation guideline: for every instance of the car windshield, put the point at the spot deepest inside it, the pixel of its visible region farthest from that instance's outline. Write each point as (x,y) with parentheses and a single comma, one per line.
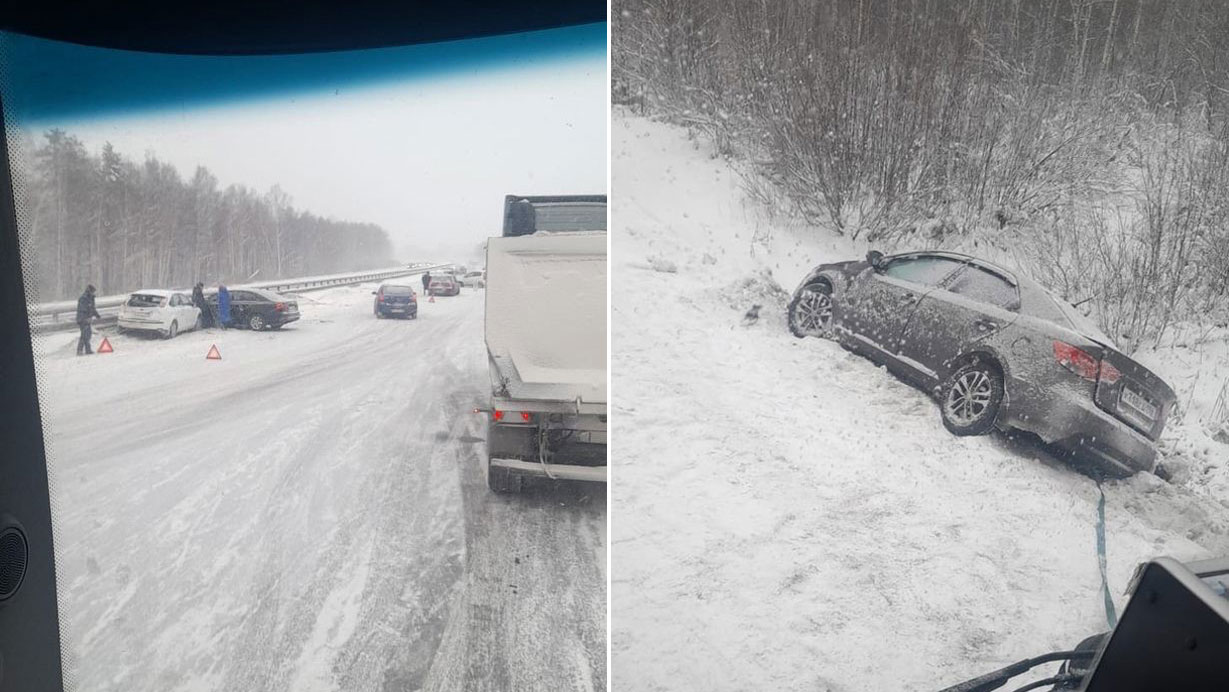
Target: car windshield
(302,513)
(143,300)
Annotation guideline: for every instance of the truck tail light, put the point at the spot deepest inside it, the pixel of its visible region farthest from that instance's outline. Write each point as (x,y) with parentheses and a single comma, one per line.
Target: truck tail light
(524,416)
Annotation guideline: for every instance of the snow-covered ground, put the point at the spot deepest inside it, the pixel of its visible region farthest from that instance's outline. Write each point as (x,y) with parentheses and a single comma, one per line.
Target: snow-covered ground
(790,516)
(309,513)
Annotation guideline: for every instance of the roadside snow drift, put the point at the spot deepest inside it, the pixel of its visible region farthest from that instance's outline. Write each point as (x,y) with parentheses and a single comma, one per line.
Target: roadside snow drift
(791,516)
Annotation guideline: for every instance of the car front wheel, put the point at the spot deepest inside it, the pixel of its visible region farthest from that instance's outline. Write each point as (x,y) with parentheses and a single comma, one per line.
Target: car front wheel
(173,329)
(970,398)
(257,323)
(810,312)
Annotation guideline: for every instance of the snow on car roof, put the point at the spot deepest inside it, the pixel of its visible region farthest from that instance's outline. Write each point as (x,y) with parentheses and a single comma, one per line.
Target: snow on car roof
(162,292)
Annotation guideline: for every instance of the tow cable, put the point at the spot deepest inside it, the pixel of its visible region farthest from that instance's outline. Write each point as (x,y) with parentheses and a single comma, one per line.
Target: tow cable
(1110,616)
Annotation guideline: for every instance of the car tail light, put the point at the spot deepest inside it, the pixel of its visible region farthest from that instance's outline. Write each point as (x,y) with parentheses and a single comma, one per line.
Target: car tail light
(1109,373)
(1076,361)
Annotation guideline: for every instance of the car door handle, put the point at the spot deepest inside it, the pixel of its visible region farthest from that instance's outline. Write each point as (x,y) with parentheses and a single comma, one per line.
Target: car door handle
(986,325)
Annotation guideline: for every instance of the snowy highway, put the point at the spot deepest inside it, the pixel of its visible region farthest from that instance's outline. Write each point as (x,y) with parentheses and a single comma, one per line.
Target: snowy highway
(309,513)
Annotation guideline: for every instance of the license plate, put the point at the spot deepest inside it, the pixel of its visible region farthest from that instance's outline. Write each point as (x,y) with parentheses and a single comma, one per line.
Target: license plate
(1139,403)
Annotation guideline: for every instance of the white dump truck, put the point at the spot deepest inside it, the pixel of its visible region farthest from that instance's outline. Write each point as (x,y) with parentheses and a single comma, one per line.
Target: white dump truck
(546,341)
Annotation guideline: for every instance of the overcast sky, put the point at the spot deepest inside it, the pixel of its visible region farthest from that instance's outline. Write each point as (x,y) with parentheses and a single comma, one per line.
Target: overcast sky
(429,158)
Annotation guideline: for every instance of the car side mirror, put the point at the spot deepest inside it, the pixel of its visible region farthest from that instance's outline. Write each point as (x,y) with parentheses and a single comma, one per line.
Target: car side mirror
(875,259)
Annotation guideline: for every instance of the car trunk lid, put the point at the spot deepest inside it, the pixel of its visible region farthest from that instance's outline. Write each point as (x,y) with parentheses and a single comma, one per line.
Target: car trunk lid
(1133,393)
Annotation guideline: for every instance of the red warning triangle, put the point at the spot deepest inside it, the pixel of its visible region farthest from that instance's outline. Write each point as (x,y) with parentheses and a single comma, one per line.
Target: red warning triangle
(105,346)
(213,353)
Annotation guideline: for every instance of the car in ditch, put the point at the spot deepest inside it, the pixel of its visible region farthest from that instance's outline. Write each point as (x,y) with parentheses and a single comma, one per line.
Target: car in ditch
(395,300)
(158,311)
(996,348)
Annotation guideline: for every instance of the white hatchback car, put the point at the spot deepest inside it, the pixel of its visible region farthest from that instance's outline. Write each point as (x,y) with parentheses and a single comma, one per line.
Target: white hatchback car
(156,310)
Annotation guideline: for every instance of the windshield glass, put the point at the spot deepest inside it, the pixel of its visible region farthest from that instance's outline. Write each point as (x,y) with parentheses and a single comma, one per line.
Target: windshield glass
(304,514)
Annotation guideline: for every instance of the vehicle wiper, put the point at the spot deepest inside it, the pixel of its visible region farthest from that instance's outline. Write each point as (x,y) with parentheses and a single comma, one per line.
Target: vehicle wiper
(995,680)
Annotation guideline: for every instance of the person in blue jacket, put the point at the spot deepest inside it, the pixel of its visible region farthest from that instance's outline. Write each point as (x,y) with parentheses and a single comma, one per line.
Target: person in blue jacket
(223,306)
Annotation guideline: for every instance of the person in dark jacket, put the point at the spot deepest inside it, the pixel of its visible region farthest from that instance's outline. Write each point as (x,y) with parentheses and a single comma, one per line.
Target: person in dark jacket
(198,299)
(426,282)
(86,312)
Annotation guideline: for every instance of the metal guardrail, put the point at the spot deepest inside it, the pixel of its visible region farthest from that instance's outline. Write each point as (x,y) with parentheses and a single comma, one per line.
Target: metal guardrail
(62,314)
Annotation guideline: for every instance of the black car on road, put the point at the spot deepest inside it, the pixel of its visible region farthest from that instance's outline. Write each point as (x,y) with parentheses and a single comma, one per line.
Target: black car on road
(258,309)
(395,300)
(995,347)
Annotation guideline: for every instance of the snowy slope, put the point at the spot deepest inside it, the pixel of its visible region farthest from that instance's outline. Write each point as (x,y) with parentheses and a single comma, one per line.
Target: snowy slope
(792,517)
(308,513)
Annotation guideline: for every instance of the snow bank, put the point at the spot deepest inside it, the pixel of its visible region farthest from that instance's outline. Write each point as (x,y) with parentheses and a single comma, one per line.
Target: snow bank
(791,516)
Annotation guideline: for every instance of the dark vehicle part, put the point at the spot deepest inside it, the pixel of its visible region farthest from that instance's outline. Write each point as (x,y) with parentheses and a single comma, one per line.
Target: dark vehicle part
(810,310)
(29,616)
(528,215)
(1173,635)
(970,398)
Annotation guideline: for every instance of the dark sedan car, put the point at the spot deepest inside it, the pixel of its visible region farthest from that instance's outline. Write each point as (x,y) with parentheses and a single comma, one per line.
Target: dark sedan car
(258,309)
(996,348)
(395,300)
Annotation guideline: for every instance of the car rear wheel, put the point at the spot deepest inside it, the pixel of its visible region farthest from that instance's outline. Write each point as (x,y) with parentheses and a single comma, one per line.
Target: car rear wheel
(257,323)
(970,398)
(173,329)
(810,312)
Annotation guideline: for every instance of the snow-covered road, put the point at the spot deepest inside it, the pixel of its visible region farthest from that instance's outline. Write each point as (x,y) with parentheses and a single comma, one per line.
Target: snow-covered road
(791,517)
(309,513)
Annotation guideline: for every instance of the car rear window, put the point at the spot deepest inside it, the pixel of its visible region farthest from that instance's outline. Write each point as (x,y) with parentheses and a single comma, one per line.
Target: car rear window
(142,300)
(397,290)
(983,286)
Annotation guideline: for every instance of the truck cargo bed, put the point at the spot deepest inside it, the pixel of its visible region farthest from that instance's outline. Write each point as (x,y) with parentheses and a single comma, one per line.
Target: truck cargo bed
(546,317)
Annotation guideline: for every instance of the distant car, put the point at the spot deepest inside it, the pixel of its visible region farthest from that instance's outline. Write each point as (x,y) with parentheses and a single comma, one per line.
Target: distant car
(395,300)
(997,348)
(473,280)
(160,311)
(258,309)
(444,286)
